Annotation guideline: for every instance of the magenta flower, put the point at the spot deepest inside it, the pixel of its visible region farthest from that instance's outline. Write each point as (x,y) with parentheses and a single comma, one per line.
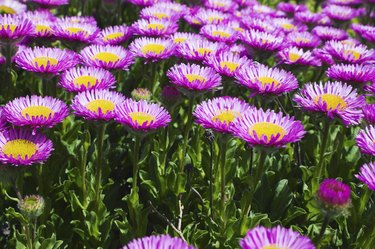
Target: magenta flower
(198,50)
(295,56)
(14,27)
(158,242)
(12,7)
(329,33)
(210,16)
(221,5)
(155,27)
(288,25)
(219,32)
(51,3)
(303,40)
(3,121)
(160,12)
(75,31)
(262,40)
(152,48)
(308,17)
(181,37)
(358,73)
(340,13)
(367,175)
(365,140)
(366,31)
(369,113)
(114,35)
(350,53)
(333,193)
(291,7)
(143,2)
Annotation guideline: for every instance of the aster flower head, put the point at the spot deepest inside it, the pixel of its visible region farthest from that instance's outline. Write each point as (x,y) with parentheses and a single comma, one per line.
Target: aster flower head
(107,57)
(43,29)
(264,80)
(291,7)
(288,25)
(97,104)
(227,63)
(277,237)
(182,37)
(39,15)
(2,59)
(303,40)
(296,56)
(142,115)
(21,147)
(46,60)
(220,33)
(79,79)
(219,113)
(259,24)
(367,175)
(334,99)
(345,2)
(114,35)
(143,3)
(358,73)
(193,77)
(238,49)
(158,242)
(155,27)
(3,120)
(14,27)
(366,31)
(369,113)
(178,8)
(365,140)
(78,19)
(329,33)
(350,53)
(35,111)
(267,128)
(262,41)
(209,16)
(333,197)
(12,7)
(159,12)
(51,3)
(198,50)
(75,31)
(152,48)
(221,5)
(341,13)
(308,17)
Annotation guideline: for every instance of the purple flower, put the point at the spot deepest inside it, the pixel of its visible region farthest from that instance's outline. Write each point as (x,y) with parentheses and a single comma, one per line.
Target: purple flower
(114,35)
(358,73)
(220,33)
(221,5)
(367,175)
(155,27)
(14,27)
(51,3)
(366,31)
(369,113)
(199,50)
(262,40)
(341,13)
(329,33)
(333,193)
(74,31)
(152,48)
(12,7)
(350,53)
(365,140)
(303,40)
(295,56)
(158,242)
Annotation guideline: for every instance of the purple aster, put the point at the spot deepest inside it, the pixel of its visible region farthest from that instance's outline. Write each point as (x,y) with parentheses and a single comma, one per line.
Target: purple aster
(288,25)
(308,17)
(365,140)
(366,31)
(303,40)
(155,27)
(181,37)
(219,113)
(329,33)
(159,12)
(198,50)
(358,73)
(291,7)
(158,242)
(334,99)
(96,104)
(51,3)
(178,8)
(143,3)
(267,128)
(152,48)
(74,31)
(107,57)
(35,111)
(114,35)
(367,175)
(220,33)
(43,29)
(14,27)
(78,19)
(351,41)
(262,41)
(227,63)
(12,7)
(46,60)
(369,113)
(296,56)
(275,238)
(23,147)
(80,79)
(350,53)
(209,16)
(333,194)
(345,2)
(194,77)
(221,5)
(340,13)
(324,56)
(238,49)
(259,24)
(264,80)
(3,121)
(142,115)
(39,15)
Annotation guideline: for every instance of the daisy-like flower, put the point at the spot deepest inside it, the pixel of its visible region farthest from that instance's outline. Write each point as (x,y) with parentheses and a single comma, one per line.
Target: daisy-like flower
(350,41)
(333,197)
(142,115)
(181,37)
(158,242)
(12,7)
(194,77)
(14,27)
(303,40)
(46,60)
(334,99)
(35,111)
(366,31)
(329,33)
(86,78)
(220,32)
(277,237)
(51,3)
(324,21)
(107,57)
(143,3)
(78,19)
(291,7)
(267,128)
(262,40)
(345,2)
(23,147)
(114,35)
(369,113)
(340,13)
(199,50)
(264,80)
(209,16)
(43,28)
(219,113)
(324,56)
(97,104)
(350,53)
(178,8)
(358,73)
(3,121)
(159,12)
(296,56)
(258,24)
(367,175)
(155,27)
(152,48)
(227,63)
(365,140)
(74,31)
(288,25)
(221,5)
(308,17)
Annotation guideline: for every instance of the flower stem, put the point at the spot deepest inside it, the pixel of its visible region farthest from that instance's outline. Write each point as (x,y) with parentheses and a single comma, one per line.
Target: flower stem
(211,180)
(223,151)
(83,166)
(186,134)
(137,146)
(324,141)
(99,149)
(322,230)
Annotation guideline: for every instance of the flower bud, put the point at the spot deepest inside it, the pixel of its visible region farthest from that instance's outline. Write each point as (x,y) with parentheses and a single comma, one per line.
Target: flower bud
(141,93)
(32,206)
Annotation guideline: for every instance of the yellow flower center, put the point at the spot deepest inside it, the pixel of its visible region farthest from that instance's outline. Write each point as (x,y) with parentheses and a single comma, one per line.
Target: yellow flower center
(273,246)
(193,77)
(238,29)
(37,111)
(226,116)
(179,40)
(106,57)
(214,19)
(113,36)
(75,30)
(332,101)
(161,15)
(141,117)
(44,61)
(294,57)
(153,48)
(203,51)
(267,129)
(268,81)
(85,80)
(220,34)
(12,27)
(43,28)
(300,39)
(356,55)
(7,9)
(103,104)
(287,26)
(230,65)
(156,26)
(19,148)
